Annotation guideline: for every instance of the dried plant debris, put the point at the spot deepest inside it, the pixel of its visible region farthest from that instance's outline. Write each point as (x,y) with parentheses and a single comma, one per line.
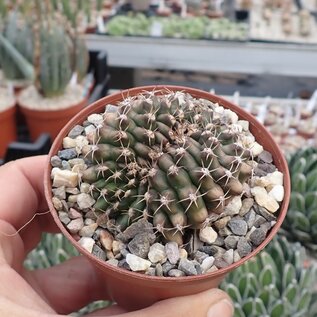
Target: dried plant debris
(166,184)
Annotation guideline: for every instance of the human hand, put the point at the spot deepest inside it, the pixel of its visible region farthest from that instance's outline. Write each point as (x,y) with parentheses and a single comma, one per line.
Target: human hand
(65,288)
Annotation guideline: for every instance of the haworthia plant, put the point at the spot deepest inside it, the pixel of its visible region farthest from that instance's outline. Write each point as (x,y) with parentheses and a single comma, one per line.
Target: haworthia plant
(279,282)
(301,219)
(54,250)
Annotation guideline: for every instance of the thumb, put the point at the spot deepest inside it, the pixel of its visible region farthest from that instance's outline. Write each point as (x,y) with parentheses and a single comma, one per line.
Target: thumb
(211,303)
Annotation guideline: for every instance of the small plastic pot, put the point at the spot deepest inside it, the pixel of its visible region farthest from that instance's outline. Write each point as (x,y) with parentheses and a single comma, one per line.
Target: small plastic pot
(8,128)
(50,121)
(134,290)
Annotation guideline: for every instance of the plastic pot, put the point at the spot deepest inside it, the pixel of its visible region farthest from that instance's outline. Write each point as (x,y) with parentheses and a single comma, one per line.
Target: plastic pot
(8,128)
(133,290)
(50,121)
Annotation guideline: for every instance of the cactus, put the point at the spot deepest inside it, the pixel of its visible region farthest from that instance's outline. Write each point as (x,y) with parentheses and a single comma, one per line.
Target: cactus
(277,283)
(301,220)
(171,158)
(18,33)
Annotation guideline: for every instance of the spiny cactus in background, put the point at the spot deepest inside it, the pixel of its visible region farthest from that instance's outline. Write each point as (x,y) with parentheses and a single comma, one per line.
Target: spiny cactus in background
(276,283)
(170,157)
(300,223)
(17,31)
(55,49)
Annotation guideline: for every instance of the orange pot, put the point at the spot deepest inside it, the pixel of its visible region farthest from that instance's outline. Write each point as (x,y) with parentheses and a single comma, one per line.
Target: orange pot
(133,290)
(50,121)
(8,128)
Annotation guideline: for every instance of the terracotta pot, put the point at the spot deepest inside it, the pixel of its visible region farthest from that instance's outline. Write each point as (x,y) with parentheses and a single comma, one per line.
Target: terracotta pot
(133,290)
(8,128)
(50,121)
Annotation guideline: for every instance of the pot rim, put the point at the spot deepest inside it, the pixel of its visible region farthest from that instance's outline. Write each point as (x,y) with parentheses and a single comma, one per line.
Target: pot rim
(254,125)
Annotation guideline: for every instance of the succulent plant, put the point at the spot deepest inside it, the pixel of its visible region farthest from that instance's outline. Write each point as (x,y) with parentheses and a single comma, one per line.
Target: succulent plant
(55,51)
(301,220)
(17,31)
(54,249)
(171,158)
(277,283)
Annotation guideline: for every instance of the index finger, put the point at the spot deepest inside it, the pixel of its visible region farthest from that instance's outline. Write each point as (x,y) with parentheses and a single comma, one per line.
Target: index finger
(22,195)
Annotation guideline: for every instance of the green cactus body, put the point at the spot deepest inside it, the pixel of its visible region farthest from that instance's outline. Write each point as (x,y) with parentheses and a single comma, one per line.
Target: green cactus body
(301,219)
(276,283)
(55,60)
(19,34)
(171,158)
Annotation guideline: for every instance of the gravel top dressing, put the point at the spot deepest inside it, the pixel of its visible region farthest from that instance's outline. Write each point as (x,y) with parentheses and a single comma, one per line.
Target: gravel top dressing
(166,185)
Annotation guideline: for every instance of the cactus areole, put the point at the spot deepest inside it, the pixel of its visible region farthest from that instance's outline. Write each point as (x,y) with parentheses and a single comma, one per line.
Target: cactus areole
(177,162)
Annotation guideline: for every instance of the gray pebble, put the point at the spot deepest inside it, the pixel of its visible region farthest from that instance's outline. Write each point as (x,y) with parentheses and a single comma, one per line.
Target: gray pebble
(124,252)
(247,203)
(56,161)
(266,227)
(198,269)
(75,131)
(267,167)
(212,250)
(258,236)
(224,232)
(141,226)
(265,157)
(59,192)
(259,172)
(238,226)
(243,247)
(187,266)
(172,252)
(159,269)
(65,205)
(113,262)
(123,264)
(228,256)
(221,223)
(67,154)
(150,271)
(140,245)
(250,218)
(167,266)
(175,273)
(219,242)
(265,213)
(63,217)
(66,165)
(99,253)
(259,220)
(236,256)
(231,242)
(220,263)
(200,256)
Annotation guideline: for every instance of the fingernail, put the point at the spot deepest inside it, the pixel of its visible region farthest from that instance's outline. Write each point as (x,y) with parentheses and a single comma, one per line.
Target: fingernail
(223,308)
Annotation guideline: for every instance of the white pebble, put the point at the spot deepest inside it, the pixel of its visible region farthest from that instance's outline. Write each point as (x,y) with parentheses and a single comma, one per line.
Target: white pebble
(136,263)
(233,206)
(65,178)
(68,143)
(87,243)
(277,192)
(244,124)
(75,225)
(263,199)
(183,253)
(85,200)
(88,231)
(207,263)
(95,119)
(84,188)
(208,235)
(275,178)
(157,253)
(256,149)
